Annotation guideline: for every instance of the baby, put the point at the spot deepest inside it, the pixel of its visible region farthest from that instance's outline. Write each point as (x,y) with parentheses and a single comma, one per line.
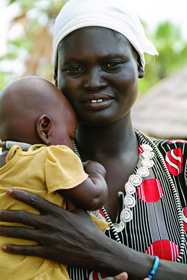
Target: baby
(34,111)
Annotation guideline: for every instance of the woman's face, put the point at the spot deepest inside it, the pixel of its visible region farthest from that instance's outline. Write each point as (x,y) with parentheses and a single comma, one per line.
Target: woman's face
(98,72)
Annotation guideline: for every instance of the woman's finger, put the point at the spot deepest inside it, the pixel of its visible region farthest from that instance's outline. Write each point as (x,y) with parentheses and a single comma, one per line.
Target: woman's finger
(56,231)
(47,210)
(21,233)
(20,216)
(26,250)
(31,199)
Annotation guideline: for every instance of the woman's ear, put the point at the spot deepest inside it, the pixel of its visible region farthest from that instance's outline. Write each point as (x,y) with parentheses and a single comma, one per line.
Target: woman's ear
(44,128)
(56,72)
(141,72)
(56,76)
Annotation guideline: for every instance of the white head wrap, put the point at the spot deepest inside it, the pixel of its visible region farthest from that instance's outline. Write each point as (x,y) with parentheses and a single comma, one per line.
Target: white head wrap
(112,14)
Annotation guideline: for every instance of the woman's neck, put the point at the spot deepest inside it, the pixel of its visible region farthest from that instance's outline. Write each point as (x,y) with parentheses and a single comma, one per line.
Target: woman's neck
(115,146)
(113,140)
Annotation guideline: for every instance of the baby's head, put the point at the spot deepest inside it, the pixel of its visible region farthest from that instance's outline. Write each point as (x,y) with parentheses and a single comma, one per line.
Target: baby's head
(33,110)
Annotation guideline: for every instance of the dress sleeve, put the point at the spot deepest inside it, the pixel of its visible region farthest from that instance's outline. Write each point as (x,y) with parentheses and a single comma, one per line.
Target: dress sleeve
(63,169)
(175,157)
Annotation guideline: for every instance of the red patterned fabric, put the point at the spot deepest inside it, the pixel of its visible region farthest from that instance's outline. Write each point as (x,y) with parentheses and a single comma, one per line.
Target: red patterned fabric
(185,215)
(177,141)
(164,249)
(140,150)
(96,276)
(155,228)
(174,161)
(101,213)
(150,190)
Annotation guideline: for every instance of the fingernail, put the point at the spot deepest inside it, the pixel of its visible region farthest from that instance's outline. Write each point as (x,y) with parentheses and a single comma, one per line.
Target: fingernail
(4,247)
(122,276)
(9,191)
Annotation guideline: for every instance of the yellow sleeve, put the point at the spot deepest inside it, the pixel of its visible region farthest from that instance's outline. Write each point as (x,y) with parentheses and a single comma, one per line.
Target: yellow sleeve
(63,169)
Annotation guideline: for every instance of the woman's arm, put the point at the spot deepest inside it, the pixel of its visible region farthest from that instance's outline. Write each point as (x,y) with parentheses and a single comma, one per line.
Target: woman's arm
(79,242)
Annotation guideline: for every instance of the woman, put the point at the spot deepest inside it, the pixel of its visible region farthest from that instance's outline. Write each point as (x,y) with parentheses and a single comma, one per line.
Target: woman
(98,57)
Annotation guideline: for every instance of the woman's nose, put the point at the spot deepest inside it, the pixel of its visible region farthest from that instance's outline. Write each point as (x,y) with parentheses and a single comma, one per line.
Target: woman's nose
(94,80)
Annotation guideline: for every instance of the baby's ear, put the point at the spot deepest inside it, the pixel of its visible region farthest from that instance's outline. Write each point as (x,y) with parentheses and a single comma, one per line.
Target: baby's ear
(44,128)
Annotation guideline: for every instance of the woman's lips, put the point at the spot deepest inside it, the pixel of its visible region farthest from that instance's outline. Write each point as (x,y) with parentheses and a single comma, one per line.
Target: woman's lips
(97,101)
(97,104)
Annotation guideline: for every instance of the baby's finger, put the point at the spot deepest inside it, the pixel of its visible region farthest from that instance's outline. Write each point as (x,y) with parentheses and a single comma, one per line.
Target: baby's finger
(121,276)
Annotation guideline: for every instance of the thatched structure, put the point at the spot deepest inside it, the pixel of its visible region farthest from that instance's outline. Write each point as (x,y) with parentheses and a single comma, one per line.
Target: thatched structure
(162,111)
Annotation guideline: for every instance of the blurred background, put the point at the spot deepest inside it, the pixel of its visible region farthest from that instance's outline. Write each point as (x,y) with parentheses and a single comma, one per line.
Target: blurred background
(26,37)
(26,28)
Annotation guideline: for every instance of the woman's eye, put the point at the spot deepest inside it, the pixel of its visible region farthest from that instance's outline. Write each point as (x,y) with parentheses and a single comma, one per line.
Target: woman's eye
(112,65)
(74,69)
(109,65)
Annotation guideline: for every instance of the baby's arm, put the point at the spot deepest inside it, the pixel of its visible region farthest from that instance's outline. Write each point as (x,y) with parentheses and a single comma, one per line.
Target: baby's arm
(93,192)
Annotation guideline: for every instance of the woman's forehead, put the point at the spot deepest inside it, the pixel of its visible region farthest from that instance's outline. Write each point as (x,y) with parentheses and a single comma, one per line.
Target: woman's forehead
(93,39)
(93,30)
(113,14)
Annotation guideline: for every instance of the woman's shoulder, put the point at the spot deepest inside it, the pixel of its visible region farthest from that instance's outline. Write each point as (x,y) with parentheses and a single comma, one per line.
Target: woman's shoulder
(165,145)
(174,153)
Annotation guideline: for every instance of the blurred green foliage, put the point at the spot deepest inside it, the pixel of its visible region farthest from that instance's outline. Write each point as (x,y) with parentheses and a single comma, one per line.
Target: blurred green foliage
(172,49)
(41,4)
(34,15)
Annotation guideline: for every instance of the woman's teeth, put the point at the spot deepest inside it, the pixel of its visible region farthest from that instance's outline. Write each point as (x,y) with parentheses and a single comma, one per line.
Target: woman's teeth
(96,101)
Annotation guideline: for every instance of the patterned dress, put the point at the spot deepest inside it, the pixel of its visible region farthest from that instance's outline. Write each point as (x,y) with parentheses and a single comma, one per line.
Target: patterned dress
(155,228)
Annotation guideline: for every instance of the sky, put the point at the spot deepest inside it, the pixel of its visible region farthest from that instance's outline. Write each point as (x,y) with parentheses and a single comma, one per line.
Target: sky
(150,11)
(155,11)
(5,17)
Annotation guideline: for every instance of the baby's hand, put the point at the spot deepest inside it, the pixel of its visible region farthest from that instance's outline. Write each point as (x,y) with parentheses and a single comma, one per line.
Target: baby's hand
(121,276)
(93,166)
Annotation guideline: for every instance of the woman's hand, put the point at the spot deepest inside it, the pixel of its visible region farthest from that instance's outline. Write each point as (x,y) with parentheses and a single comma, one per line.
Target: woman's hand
(62,236)
(73,239)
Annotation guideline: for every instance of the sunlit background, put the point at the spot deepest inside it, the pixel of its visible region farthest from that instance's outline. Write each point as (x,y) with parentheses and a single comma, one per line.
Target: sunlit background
(26,37)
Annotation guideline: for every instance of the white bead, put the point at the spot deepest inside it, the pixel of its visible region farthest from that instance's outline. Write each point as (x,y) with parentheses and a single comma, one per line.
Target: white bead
(148,155)
(129,201)
(146,147)
(135,180)
(119,227)
(147,163)
(129,188)
(126,215)
(143,171)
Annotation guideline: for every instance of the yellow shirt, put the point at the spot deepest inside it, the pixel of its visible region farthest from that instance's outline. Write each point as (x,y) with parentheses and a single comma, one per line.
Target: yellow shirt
(41,170)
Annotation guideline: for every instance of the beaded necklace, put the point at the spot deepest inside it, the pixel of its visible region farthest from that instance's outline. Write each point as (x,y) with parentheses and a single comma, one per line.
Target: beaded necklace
(150,151)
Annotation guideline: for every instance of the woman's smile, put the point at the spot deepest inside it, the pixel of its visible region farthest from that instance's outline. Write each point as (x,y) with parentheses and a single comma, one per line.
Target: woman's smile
(100,84)
(96,101)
